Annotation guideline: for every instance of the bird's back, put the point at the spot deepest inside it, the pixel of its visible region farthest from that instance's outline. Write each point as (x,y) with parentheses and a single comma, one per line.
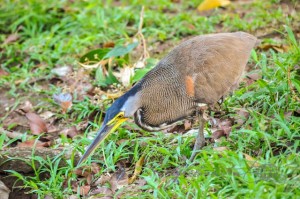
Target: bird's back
(199,70)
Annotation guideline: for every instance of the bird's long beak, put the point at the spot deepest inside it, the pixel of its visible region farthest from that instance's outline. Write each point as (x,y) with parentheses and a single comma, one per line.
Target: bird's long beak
(106,129)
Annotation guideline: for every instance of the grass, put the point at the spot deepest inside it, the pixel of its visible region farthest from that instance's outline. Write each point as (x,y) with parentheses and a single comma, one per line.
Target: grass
(60,32)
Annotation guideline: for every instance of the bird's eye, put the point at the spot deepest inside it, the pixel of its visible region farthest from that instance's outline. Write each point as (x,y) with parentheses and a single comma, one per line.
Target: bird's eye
(120,115)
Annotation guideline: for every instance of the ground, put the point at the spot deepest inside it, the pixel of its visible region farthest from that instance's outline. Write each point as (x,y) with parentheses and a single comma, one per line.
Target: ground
(64,62)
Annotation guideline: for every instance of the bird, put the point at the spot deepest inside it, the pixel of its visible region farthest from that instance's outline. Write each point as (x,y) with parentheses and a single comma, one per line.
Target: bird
(195,74)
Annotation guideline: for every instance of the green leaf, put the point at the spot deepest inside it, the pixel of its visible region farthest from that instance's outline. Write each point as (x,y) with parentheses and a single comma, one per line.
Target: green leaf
(139,74)
(291,35)
(94,55)
(100,78)
(120,50)
(2,139)
(111,78)
(104,80)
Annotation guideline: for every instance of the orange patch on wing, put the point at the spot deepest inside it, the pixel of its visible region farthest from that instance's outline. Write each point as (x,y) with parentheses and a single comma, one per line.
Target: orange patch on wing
(189,85)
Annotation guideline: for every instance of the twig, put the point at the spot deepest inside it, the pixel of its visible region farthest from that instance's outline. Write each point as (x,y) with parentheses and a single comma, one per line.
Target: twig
(141,37)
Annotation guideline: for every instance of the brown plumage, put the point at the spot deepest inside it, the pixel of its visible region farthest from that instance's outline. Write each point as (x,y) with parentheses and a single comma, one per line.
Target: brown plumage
(198,71)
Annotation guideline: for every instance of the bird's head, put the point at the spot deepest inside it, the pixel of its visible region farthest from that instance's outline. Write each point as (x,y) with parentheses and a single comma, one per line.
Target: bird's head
(119,112)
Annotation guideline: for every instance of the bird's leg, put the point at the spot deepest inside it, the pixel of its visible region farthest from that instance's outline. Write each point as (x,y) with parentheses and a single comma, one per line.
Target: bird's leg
(200,140)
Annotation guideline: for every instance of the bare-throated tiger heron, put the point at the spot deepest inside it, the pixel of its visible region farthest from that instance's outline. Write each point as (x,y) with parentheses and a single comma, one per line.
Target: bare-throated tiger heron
(199,71)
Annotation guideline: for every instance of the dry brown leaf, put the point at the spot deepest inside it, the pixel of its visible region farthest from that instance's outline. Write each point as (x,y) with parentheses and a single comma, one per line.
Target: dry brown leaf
(46,115)
(3,73)
(281,48)
(119,179)
(226,126)
(218,133)
(252,162)
(84,190)
(4,191)
(95,168)
(220,148)
(137,170)
(26,107)
(109,45)
(64,100)
(48,197)
(37,125)
(211,4)
(11,38)
(73,197)
(187,125)
(243,115)
(254,75)
(69,132)
(84,172)
(102,193)
(103,179)
(31,143)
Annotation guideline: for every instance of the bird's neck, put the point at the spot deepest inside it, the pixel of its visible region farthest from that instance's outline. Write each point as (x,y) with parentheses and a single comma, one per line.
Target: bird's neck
(132,101)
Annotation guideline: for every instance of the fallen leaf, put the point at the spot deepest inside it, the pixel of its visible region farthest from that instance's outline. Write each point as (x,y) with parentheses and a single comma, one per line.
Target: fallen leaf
(84,172)
(95,168)
(109,45)
(11,38)
(48,197)
(64,100)
(102,193)
(3,73)
(84,190)
(73,197)
(32,143)
(187,125)
(46,115)
(141,182)
(26,107)
(4,191)
(119,179)
(218,133)
(214,122)
(103,179)
(137,170)
(125,75)
(254,75)
(211,4)
(69,132)
(221,148)
(281,48)
(252,161)
(37,125)
(62,71)
(226,126)
(140,64)
(243,115)
(288,114)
